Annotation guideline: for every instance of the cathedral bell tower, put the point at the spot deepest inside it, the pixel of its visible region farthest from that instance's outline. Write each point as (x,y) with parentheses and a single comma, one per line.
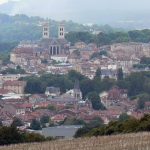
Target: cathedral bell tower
(46,30)
(61,31)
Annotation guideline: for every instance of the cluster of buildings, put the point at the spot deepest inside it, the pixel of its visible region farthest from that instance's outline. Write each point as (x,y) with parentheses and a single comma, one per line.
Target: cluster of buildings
(59,107)
(57,56)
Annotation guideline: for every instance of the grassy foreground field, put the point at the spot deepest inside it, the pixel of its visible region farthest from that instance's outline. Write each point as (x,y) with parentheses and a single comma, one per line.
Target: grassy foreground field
(140,141)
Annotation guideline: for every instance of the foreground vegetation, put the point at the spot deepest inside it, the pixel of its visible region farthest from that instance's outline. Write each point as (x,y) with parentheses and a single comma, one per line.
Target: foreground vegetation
(124,125)
(11,135)
(138,141)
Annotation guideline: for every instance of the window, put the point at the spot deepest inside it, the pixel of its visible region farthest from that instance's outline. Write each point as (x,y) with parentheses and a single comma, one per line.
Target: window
(45,29)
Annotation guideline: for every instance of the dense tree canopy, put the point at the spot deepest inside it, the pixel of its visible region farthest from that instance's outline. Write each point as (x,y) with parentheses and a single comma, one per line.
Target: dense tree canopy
(17,122)
(11,135)
(95,100)
(21,27)
(128,125)
(120,74)
(35,125)
(136,83)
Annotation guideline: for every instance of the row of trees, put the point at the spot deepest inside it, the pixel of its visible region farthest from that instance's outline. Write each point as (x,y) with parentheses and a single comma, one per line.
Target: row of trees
(109,38)
(127,125)
(137,84)
(35,124)
(21,27)
(90,88)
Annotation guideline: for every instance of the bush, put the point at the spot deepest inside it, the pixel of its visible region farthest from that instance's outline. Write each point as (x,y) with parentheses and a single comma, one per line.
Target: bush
(11,135)
(130,125)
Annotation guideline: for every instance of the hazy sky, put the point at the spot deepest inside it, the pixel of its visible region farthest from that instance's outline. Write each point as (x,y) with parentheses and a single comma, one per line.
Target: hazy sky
(85,10)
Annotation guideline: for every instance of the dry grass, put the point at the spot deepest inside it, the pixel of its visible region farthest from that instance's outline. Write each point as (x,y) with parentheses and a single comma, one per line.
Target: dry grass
(140,141)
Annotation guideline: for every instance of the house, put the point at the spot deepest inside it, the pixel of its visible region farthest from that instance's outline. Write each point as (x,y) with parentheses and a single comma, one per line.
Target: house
(116,94)
(15,86)
(108,73)
(37,98)
(68,112)
(147,106)
(58,118)
(11,77)
(63,101)
(4,92)
(74,93)
(20,110)
(14,109)
(52,91)
(114,97)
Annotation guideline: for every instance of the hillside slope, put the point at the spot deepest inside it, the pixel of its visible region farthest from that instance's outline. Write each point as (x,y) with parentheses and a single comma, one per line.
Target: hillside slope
(138,141)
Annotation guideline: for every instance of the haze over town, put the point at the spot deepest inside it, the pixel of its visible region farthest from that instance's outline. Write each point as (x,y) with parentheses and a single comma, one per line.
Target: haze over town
(122,13)
(75,68)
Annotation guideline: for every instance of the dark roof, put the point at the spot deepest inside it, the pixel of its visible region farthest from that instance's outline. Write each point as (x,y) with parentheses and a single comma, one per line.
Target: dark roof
(107,72)
(53,89)
(64,100)
(60,131)
(52,41)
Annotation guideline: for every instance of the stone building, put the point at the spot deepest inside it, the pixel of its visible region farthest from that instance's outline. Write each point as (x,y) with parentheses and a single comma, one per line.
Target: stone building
(52,91)
(34,52)
(15,86)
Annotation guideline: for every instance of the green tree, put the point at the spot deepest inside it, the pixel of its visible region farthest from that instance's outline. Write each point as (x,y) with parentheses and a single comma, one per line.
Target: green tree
(98,74)
(145,60)
(10,135)
(44,120)
(141,104)
(17,122)
(102,39)
(120,74)
(123,117)
(95,100)
(35,125)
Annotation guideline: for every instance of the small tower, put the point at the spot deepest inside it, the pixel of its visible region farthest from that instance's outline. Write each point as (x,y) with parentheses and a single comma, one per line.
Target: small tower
(61,31)
(46,30)
(77,91)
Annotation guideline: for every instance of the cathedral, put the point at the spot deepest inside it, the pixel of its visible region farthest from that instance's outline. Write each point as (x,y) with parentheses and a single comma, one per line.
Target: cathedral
(54,46)
(31,53)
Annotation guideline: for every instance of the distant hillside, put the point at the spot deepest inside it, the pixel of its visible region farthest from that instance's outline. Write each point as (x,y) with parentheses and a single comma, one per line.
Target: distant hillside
(138,141)
(7,7)
(22,27)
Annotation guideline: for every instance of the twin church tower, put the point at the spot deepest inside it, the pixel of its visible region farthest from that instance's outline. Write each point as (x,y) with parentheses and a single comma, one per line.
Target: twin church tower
(55,46)
(46,31)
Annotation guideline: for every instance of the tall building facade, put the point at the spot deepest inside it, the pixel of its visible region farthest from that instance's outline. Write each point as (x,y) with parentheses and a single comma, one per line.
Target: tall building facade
(46,30)
(61,31)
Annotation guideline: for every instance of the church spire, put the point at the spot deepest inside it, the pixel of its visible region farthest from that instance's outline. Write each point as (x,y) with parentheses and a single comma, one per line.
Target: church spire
(77,91)
(76,85)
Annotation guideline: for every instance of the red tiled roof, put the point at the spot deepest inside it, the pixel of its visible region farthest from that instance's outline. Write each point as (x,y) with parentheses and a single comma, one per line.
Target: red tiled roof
(4,91)
(14,83)
(24,50)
